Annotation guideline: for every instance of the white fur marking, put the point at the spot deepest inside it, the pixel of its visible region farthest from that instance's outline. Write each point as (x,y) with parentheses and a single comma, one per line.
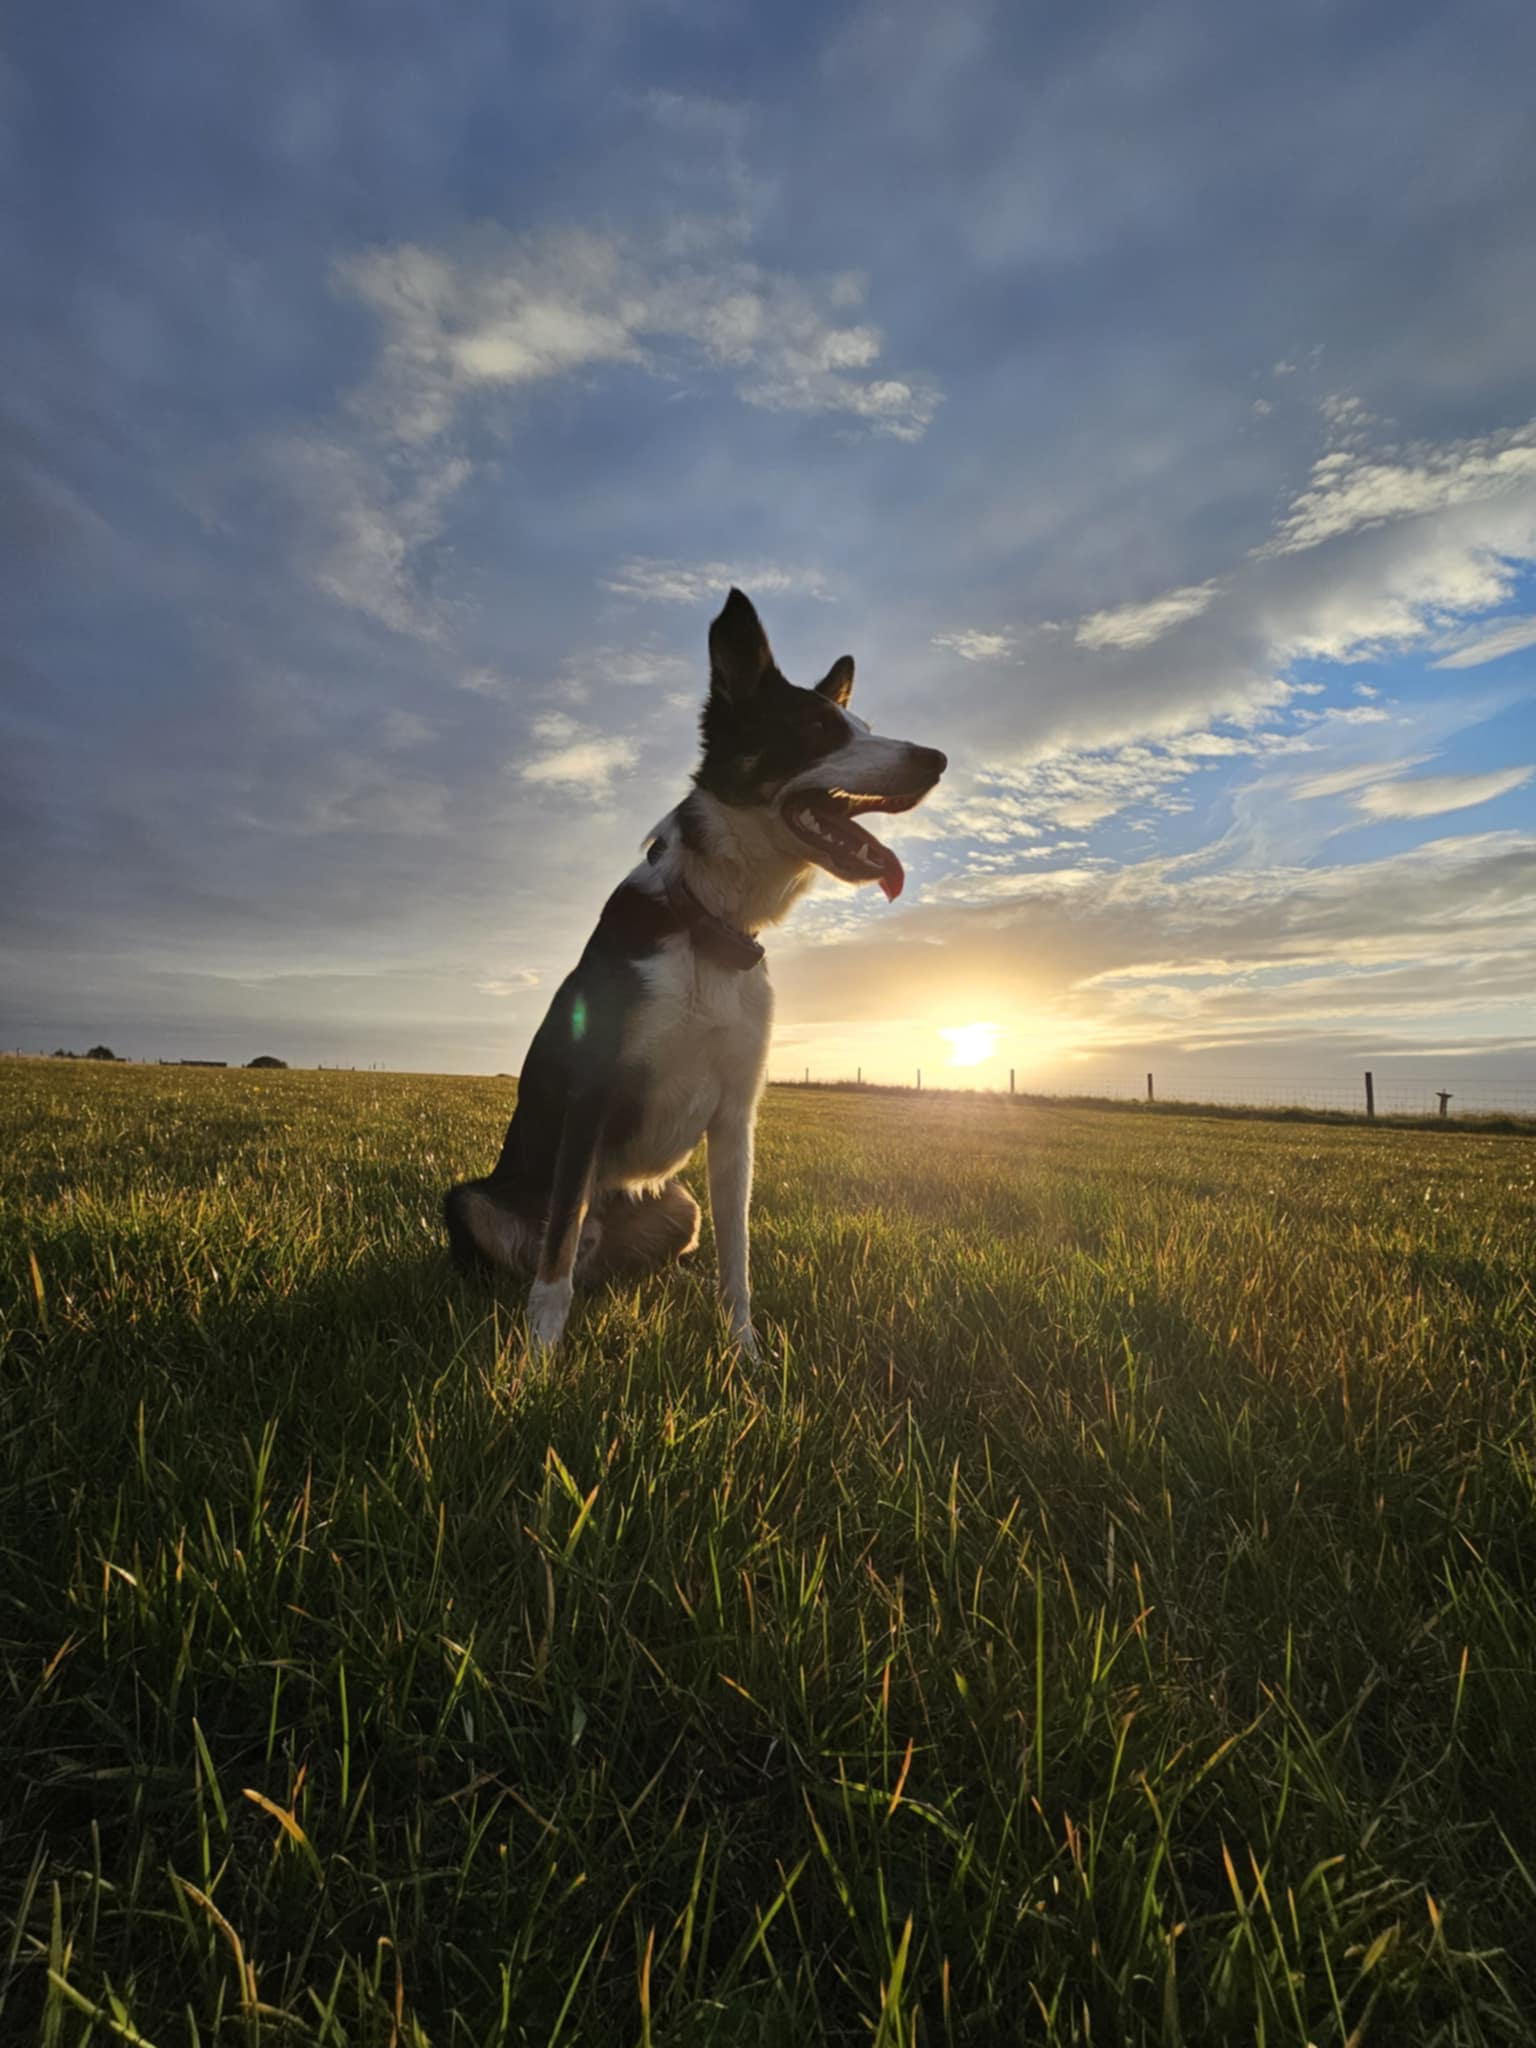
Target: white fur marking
(549,1303)
(701,1035)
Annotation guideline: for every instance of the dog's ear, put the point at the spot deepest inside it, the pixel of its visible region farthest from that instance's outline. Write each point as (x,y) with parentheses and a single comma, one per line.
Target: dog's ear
(739,654)
(837,683)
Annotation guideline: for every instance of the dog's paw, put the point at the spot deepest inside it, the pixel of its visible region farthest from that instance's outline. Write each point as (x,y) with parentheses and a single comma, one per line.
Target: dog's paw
(744,1337)
(549,1304)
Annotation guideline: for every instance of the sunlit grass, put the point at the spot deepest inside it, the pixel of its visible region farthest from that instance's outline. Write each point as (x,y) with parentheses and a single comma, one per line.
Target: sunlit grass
(1107,1617)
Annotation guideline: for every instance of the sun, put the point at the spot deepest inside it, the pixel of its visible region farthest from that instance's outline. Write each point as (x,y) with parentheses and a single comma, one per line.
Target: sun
(970,1044)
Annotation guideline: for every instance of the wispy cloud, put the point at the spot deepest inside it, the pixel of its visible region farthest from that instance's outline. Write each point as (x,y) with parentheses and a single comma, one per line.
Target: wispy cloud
(1078,788)
(701,583)
(1509,637)
(486,682)
(499,311)
(972,644)
(495,314)
(360,525)
(1341,781)
(515,984)
(1427,796)
(640,668)
(400,729)
(577,758)
(1351,488)
(1137,625)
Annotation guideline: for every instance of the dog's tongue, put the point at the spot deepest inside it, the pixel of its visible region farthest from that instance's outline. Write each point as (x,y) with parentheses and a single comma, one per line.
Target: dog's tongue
(847,848)
(889,872)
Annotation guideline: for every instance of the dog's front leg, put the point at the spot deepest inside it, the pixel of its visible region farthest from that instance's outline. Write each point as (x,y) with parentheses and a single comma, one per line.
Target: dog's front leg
(549,1299)
(730,1196)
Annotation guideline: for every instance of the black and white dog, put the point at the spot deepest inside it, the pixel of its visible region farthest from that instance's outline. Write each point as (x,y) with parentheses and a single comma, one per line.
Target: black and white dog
(659,1036)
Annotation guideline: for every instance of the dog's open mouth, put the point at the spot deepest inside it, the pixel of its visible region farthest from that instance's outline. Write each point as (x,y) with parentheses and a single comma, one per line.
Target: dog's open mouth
(826,820)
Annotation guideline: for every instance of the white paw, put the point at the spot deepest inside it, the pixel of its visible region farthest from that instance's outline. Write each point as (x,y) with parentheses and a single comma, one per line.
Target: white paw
(744,1337)
(549,1303)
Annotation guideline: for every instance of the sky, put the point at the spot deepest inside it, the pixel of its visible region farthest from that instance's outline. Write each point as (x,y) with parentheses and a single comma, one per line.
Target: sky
(1144,395)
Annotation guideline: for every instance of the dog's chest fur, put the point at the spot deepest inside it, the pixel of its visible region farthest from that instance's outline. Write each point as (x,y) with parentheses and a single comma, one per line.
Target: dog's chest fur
(696,1043)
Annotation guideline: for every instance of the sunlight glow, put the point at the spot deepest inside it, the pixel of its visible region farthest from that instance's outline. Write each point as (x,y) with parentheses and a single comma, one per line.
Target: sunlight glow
(970,1044)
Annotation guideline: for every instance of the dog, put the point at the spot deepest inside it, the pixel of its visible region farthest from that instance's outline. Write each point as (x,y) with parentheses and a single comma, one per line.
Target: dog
(659,1036)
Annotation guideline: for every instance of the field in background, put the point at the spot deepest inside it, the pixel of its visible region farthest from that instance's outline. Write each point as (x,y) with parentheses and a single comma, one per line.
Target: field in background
(1477,1099)
(1108,1615)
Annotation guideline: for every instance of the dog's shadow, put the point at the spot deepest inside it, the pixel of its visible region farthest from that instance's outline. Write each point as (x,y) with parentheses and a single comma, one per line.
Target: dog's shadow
(337,1352)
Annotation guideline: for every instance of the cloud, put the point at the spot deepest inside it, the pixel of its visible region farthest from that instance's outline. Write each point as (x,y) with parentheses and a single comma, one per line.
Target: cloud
(487,682)
(1427,796)
(1137,625)
(693,583)
(364,798)
(1510,637)
(556,727)
(643,668)
(1340,781)
(360,526)
(1104,733)
(399,729)
(1184,951)
(509,984)
(971,644)
(496,315)
(1400,588)
(1381,553)
(1077,788)
(1350,489)
(587,763)
(500,311)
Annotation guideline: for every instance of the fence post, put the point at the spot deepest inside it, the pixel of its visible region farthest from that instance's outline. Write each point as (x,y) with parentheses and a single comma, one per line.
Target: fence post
(807,1077)
(858,1075)
(1370,1094)
(1149,1087)
(1445,1096)
(919,1080)
(1010,1080)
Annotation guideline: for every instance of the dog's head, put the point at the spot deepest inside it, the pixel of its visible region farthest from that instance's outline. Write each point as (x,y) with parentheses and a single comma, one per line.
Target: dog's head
(802,756)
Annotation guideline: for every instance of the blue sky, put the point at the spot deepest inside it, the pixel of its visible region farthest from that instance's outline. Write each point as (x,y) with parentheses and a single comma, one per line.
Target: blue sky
(1145,396)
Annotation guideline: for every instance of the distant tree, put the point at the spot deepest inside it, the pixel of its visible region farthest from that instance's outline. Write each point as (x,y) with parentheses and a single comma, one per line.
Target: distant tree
(61,1053)
(266,1059)
(101,1052)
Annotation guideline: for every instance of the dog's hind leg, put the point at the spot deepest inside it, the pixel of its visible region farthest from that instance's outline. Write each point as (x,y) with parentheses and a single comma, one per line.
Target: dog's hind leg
(484,1228)
(634,1234)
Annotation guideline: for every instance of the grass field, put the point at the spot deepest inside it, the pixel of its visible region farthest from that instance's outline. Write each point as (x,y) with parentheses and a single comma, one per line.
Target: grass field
(1109,1614)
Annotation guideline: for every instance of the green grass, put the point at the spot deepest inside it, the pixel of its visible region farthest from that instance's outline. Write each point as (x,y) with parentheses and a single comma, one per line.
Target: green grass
(1106,1616)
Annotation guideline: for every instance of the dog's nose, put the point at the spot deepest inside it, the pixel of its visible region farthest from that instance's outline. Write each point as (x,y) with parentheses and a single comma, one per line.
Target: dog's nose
(931,761)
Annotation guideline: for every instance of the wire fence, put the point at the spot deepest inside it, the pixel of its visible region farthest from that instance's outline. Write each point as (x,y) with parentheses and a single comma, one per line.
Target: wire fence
(1365,1093)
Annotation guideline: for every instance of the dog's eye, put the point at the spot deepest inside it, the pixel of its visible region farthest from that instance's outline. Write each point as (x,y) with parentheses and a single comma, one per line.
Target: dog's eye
(819,734)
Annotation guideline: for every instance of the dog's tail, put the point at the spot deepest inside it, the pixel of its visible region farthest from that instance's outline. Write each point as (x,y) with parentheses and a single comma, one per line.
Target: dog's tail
(485,1229)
